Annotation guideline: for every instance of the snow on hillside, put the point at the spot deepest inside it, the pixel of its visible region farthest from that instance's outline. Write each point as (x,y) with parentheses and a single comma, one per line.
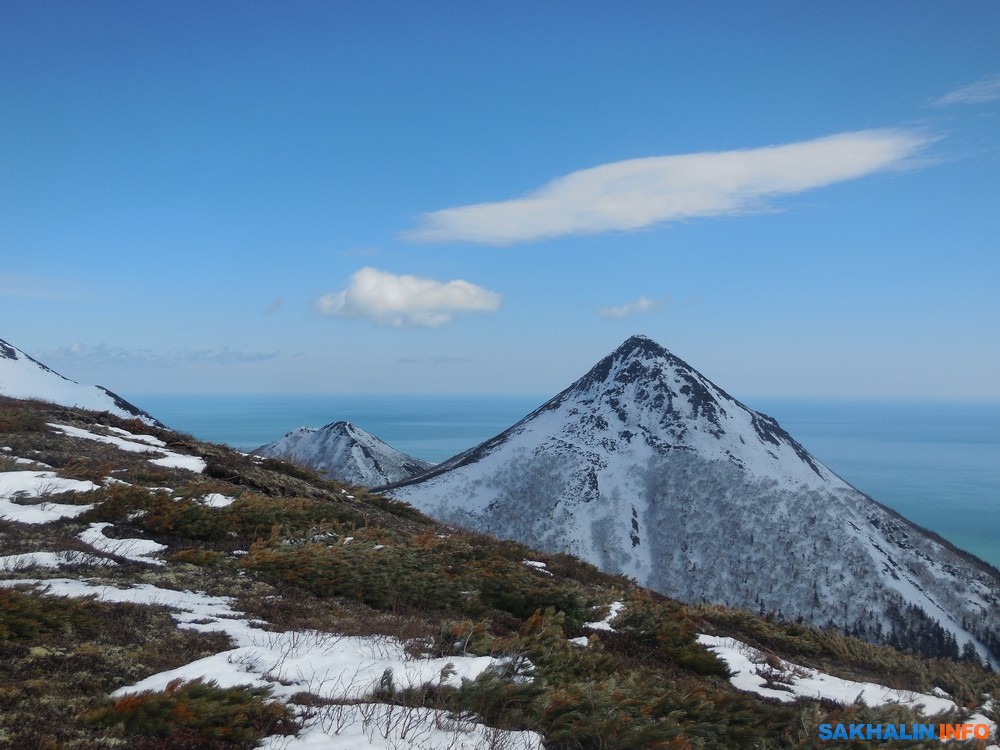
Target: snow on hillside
(645,467)
(339,669)
(132,443)
(32,496)
(22,376)
(346,453)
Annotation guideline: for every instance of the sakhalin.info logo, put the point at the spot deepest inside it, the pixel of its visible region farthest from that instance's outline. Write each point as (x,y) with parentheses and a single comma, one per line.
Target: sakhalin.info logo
(904,731)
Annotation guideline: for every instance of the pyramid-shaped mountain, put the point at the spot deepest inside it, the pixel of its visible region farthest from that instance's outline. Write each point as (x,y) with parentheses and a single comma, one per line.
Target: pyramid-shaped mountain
(346,453)
(645,467)
(24,377)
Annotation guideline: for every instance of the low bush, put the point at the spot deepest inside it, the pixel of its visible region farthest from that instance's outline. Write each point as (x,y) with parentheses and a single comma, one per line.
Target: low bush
(21,419)
(240,716)
(26,617)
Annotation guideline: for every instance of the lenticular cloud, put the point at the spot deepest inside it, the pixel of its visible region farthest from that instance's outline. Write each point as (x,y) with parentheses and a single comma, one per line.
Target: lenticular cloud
(638,193)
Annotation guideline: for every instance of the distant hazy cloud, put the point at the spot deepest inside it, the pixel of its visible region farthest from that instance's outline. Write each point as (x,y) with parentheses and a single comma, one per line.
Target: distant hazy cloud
(405,301)
(30,287)
(641,305)
(986,90)
(432,360)
(638,193)
(274,306)
(118,355)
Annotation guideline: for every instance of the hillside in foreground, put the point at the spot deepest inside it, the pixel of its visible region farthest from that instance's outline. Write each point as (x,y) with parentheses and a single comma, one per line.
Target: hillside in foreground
(160,592)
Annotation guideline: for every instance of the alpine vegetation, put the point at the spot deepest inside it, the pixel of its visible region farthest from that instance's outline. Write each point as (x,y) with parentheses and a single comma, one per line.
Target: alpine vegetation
(646,468)
(159,592)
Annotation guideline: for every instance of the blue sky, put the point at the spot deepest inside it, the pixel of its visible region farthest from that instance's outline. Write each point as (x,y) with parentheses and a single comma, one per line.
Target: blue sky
(799,199)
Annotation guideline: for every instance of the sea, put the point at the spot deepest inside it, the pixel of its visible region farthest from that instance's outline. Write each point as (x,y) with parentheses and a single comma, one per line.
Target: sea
(936,463)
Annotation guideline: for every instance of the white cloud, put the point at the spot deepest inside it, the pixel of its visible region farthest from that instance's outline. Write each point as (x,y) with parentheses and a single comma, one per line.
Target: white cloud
(405,301)
(641,305)
(986,90)
(638,193)
(120,356)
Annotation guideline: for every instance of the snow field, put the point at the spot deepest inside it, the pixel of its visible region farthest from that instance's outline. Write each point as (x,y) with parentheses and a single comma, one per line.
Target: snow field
(332,666)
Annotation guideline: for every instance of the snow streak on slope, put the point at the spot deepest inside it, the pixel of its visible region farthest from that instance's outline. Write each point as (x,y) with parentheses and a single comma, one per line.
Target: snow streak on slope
(346,453)
(645,467)
(137,444)
(24,377)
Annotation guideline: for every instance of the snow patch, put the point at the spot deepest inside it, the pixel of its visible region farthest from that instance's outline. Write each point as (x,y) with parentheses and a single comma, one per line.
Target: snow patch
(138,550)
(216,500)
(30,485)
(50,560)
(614,609)
(776,678)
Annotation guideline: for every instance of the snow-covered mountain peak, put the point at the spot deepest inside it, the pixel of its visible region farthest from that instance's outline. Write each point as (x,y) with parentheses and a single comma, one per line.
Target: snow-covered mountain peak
(347,453)
(22,376)
(645,467)
(642,392)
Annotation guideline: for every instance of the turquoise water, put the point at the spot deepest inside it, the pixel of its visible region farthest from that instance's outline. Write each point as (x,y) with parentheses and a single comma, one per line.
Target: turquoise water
(938,464)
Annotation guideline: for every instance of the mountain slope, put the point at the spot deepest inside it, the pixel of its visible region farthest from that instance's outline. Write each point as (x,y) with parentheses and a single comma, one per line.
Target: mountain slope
(346,453)
(24,377)
(220,600)
(645,467)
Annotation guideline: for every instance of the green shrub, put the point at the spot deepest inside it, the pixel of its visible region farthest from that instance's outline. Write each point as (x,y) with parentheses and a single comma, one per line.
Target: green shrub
(290,470)
(19,419)
(26,617)
(390,577)
(239,715)
(205,558)
(666,627)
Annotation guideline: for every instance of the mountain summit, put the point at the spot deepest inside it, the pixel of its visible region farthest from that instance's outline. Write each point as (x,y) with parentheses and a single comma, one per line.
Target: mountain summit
(22,376)
(645,467)
(346,453)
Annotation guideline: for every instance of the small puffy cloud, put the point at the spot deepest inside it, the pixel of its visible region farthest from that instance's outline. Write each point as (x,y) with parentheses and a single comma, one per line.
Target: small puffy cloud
(986,90)
(638,193)
(641,305)
(405,301)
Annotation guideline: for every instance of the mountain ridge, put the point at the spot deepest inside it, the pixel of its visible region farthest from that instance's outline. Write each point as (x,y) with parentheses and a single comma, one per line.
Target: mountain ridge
(23,376)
